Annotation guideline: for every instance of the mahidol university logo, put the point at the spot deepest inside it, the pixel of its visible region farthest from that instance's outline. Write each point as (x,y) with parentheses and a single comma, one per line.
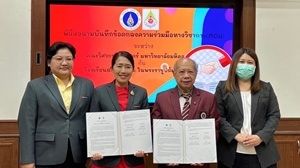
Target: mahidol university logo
(130,19)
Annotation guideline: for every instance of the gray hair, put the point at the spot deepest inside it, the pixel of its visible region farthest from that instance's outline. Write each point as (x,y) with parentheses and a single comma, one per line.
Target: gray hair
(187,59)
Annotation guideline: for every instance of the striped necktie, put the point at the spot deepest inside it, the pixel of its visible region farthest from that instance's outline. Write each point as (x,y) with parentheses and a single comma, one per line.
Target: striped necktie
(186,107)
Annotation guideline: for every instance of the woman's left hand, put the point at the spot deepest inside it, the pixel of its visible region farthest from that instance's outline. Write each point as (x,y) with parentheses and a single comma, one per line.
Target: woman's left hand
(140,154)
(252,140)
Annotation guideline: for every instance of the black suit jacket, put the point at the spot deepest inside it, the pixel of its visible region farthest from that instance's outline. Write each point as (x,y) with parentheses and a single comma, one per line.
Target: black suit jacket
(265,115)
(46,127)
(105,99)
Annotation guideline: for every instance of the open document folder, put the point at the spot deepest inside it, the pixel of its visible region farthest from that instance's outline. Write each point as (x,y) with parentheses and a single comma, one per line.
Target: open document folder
(184,141)
(118,133)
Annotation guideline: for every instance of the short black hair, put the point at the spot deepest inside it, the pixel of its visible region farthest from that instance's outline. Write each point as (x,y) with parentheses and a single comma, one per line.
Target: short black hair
(122,54)
(52,50)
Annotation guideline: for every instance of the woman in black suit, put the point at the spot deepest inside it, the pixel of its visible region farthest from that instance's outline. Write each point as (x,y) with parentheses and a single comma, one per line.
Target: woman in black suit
(120,95)
(249,116)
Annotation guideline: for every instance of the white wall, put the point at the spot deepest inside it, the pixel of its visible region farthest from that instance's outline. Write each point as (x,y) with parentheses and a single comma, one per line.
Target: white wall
(14,54)
(278,48)
(277,45)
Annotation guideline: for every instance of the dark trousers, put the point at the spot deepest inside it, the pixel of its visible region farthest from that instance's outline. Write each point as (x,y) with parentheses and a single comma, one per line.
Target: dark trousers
(69,162)
(245,161)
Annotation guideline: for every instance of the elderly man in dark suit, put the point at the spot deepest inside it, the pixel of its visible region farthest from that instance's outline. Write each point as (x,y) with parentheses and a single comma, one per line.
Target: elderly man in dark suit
(171,103)
(52,115)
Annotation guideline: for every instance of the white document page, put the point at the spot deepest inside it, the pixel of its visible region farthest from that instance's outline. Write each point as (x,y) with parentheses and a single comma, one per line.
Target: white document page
(136,131)
(184,142)
(200,139)
(167,141)
(102,133)
(118,133)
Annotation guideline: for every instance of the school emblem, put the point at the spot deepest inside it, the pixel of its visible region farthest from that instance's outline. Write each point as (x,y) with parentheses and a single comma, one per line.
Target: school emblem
(150,19)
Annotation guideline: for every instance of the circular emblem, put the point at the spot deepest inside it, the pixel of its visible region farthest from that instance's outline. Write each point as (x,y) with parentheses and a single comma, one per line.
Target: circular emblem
(130,19)
(203,115)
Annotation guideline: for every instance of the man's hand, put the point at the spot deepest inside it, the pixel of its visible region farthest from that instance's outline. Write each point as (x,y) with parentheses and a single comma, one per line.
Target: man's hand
(30,165)
(197,164)
(173,164)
